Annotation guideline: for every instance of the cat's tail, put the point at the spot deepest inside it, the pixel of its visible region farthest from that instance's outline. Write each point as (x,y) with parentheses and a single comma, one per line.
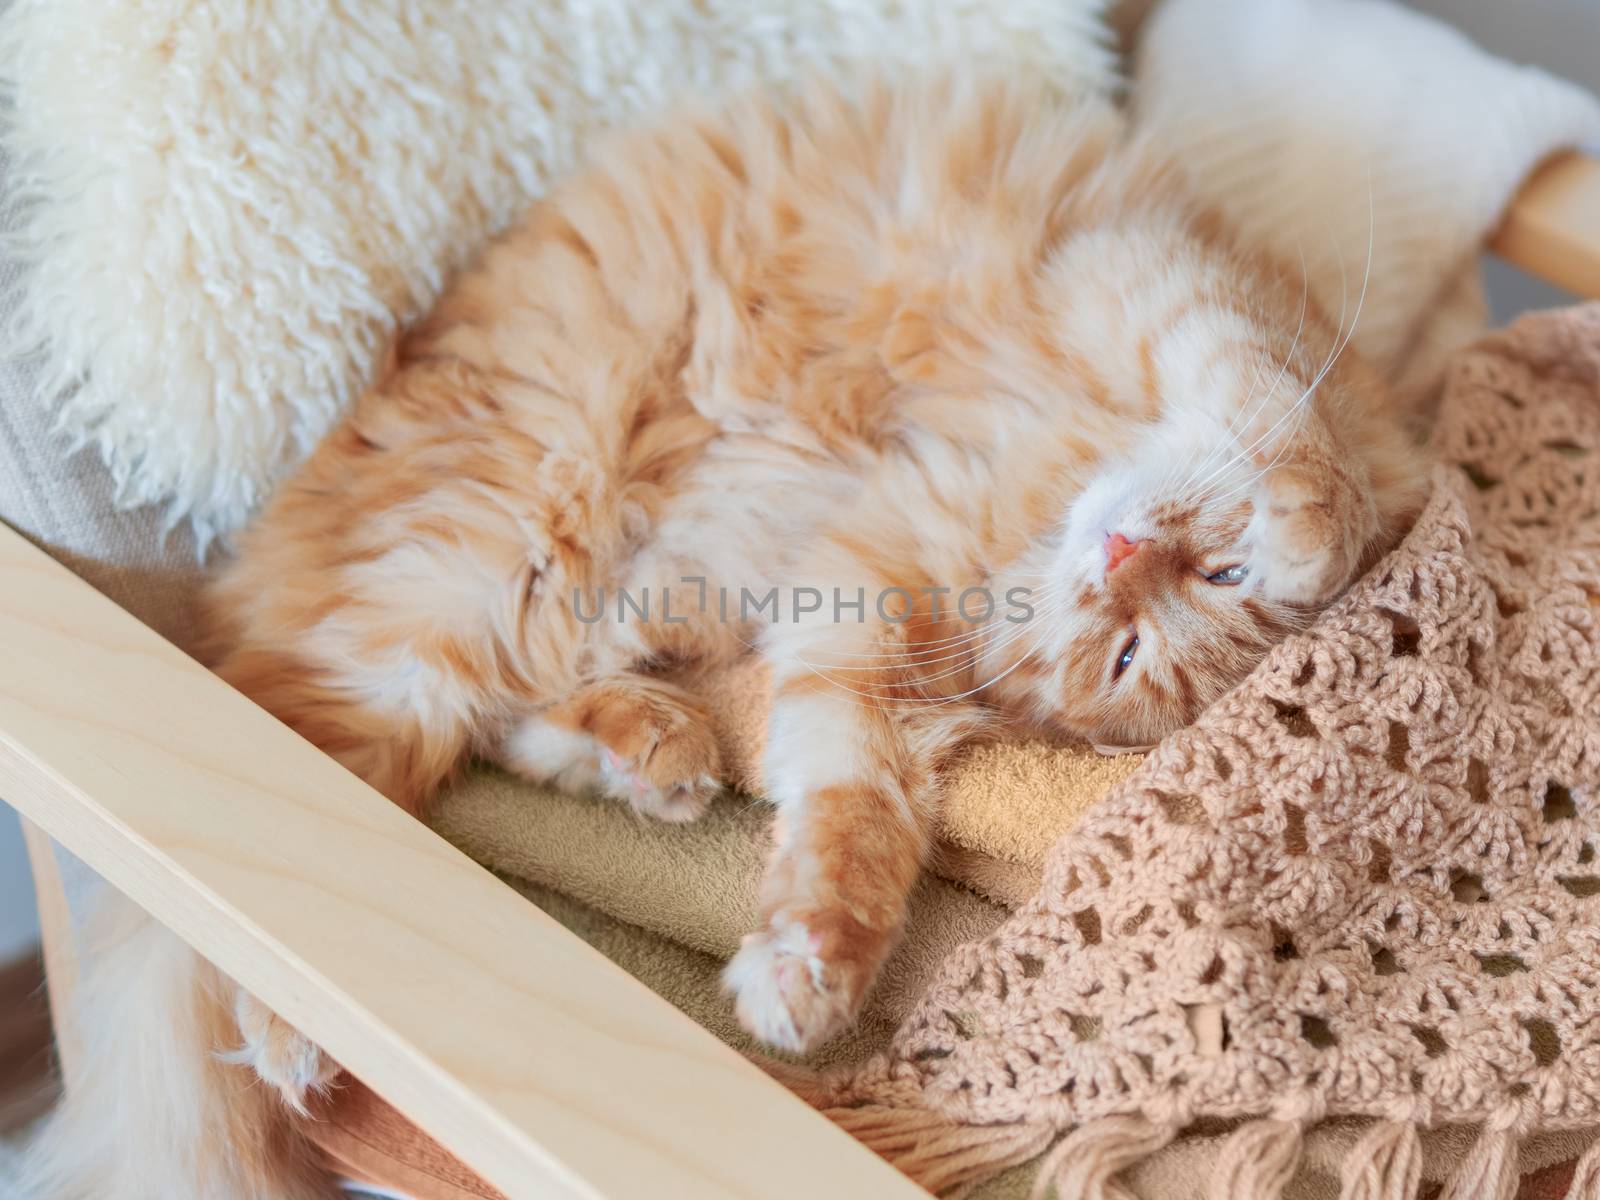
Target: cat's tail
(155,1112)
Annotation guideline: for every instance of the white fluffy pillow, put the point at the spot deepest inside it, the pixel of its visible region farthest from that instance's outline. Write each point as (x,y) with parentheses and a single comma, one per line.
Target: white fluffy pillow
(233,203)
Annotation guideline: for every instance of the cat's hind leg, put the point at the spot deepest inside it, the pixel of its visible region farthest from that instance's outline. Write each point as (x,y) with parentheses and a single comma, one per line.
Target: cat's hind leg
(280,1054)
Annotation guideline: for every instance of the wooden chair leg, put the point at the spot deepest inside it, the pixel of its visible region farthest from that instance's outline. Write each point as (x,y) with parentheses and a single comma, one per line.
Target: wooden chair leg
(60,949)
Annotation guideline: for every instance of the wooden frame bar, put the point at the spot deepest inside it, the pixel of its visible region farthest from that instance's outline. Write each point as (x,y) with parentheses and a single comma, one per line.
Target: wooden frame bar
(540,1064)
(544,1067)
(1553,228)
(56,941)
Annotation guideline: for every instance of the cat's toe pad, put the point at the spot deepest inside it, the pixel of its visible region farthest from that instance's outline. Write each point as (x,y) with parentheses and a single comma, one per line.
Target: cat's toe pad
(786,994)
(279,1053)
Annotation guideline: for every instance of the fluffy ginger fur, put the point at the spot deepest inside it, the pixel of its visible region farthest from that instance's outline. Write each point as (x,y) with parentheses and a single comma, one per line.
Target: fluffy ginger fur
(950,334)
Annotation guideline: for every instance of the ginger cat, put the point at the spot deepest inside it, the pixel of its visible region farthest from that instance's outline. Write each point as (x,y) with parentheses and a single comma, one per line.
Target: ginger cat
(932,348)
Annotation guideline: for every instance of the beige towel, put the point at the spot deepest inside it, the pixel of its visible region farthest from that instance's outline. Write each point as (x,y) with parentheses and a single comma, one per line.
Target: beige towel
(693,884)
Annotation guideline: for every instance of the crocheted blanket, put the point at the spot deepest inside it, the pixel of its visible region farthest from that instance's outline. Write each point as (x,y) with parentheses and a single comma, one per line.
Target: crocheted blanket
(1364,883)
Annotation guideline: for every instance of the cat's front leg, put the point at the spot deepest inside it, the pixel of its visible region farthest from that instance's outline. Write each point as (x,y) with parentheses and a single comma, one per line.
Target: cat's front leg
(854,818)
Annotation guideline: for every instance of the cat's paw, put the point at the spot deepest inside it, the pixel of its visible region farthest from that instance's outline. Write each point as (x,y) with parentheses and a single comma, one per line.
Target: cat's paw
(1307,536)
(788,994)
(632,738)
(672,777)
(279,1053)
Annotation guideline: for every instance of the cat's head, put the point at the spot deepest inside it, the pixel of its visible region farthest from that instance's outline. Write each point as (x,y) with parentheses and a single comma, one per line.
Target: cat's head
(1270,469)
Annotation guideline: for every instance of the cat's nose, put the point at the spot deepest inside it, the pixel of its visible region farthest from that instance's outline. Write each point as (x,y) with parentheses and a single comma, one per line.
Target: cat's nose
(1118,548)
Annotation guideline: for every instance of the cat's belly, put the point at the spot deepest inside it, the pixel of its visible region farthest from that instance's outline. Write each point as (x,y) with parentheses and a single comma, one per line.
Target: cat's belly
(714,567)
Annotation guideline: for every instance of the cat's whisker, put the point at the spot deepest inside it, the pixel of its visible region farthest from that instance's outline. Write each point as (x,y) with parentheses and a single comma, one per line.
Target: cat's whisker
(1023,634)
(1021,660)
(930,702)
(1341,341)
(962,660)
(1200,488)
(907,665)
(1048,594)
(914,652)
(1245,413)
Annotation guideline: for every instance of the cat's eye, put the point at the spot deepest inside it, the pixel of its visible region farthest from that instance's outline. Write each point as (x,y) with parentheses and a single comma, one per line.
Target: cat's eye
(1125,659)
(1228,576)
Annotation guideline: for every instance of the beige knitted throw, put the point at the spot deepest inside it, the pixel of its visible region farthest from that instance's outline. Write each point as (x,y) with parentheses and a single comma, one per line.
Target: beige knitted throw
(1362,884)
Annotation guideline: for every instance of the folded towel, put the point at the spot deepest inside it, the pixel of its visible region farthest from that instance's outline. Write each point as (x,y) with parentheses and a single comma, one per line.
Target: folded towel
(694,884)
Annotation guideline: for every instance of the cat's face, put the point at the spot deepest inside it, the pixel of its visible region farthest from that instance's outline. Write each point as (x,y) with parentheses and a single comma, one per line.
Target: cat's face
(1271,470)
(1179,574)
